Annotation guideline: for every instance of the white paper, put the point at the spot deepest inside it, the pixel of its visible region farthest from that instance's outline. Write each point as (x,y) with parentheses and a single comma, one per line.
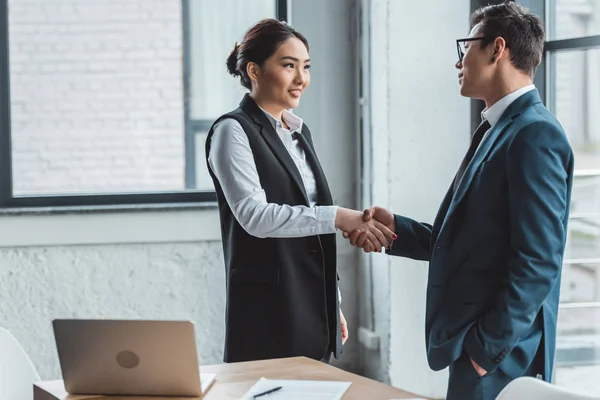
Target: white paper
(298,390)
(206,379)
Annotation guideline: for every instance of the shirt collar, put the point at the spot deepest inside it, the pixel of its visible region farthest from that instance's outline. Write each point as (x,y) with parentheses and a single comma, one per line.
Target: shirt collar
(292,120)
(494,113)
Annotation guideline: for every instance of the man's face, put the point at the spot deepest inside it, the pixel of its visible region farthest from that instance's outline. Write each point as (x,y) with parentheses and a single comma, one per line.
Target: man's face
(475,69)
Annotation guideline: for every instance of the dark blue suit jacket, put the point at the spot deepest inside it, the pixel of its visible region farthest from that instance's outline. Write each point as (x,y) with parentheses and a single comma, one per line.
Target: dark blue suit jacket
(495,250)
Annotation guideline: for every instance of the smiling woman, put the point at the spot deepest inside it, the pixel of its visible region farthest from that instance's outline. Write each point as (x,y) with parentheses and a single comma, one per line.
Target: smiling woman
(275,57)
(278,221)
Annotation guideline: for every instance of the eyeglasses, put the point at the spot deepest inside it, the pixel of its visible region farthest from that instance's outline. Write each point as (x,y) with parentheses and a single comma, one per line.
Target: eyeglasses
(460,46)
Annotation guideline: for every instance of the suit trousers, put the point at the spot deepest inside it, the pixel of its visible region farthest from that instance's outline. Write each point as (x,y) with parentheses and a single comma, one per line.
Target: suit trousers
(466,384)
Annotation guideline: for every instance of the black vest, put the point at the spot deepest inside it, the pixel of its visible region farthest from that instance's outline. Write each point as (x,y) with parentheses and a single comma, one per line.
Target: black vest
(281,292)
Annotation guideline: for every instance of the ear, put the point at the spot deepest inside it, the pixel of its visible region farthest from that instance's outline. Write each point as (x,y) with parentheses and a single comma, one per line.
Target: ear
(498,48)
(253,70)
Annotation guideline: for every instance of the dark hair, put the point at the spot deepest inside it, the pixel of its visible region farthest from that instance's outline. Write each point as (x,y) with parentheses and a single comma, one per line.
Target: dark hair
(522,30)
(260,42)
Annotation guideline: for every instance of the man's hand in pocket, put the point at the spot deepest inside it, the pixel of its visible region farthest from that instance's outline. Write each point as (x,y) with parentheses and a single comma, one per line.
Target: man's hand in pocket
(480,371)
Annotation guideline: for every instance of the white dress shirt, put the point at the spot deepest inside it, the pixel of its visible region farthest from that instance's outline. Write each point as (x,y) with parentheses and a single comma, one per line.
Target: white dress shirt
(232,162)
(494,113)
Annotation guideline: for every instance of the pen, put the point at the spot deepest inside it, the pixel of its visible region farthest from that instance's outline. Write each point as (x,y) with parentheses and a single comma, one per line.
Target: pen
(267,392)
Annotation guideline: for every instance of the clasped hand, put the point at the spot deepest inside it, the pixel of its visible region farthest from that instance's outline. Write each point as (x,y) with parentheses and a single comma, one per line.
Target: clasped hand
(370,230)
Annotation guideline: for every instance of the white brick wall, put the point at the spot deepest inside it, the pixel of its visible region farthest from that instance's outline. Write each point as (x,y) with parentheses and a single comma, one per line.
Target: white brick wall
(96,95)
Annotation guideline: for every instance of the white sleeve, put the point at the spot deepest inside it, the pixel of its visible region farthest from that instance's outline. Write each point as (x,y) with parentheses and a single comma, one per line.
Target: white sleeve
(232,162)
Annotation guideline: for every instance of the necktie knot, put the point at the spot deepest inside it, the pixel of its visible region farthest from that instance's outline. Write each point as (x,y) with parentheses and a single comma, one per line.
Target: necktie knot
(480,131)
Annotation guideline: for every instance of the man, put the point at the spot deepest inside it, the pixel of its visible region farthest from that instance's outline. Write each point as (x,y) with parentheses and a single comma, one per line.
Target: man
(496,247)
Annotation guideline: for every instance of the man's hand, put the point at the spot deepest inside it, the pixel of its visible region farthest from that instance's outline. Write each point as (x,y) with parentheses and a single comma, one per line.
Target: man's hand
(480,371)
(360,239)
(382,215)
(376,233)
(344,327)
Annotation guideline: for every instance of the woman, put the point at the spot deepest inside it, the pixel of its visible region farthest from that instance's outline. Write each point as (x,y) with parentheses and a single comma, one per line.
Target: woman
(277,219)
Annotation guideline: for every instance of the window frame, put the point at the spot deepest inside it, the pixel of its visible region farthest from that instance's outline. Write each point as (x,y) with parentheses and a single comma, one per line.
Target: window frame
(9,200)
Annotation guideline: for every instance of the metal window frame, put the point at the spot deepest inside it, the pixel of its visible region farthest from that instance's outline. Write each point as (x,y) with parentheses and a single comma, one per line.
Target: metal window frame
(9,200)
(5,143)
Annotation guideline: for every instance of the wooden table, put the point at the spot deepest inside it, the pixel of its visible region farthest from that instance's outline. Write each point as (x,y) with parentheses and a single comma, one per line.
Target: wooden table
(235,379)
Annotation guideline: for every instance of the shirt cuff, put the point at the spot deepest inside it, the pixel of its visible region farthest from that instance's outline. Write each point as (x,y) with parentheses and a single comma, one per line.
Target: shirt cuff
(326,218)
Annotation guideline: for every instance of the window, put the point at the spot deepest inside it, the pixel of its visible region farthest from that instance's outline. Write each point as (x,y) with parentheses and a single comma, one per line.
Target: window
(109,102)
(573,19)
(572,75)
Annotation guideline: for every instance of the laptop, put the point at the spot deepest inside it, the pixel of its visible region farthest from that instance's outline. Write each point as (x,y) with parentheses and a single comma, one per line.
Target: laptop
(129,357)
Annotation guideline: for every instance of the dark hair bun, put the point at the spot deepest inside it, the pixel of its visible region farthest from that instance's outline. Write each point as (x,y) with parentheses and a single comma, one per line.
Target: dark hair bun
(232,61)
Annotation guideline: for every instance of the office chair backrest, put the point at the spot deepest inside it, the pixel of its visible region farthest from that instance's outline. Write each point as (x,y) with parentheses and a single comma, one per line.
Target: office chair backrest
(17,373)
(536,389)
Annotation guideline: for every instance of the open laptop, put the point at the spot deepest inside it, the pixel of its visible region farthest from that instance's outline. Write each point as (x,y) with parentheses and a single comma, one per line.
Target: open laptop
(122,357)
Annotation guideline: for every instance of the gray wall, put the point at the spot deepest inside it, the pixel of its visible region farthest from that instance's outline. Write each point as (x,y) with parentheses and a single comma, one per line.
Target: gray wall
(420,130)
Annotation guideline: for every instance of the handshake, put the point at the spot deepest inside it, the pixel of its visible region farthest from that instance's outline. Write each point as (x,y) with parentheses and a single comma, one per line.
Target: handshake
(370,230)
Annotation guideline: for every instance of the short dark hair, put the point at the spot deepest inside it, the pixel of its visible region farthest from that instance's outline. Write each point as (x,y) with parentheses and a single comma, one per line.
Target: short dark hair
(522,30)
(259,43)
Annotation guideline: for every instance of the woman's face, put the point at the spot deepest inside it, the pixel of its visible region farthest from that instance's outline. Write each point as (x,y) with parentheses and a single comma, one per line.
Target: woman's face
(283,77)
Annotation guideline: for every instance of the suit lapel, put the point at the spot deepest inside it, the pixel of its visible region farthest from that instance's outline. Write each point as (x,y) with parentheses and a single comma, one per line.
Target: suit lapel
(484,148)
(274,142)
(441,215)
(512,112)
(473,166)
(324,194)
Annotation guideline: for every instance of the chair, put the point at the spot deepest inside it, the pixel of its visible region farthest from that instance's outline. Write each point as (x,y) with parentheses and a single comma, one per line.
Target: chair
(536,389)
(17,373)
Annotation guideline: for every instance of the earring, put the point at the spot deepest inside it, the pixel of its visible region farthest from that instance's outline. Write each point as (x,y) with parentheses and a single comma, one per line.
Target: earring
(493,59)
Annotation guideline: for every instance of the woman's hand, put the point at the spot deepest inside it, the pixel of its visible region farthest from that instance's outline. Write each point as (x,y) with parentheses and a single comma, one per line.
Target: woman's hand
(360,239)
(377,233)
(343,327)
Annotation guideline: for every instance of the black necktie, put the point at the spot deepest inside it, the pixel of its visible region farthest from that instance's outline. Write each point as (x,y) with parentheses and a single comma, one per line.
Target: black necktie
(475,141)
